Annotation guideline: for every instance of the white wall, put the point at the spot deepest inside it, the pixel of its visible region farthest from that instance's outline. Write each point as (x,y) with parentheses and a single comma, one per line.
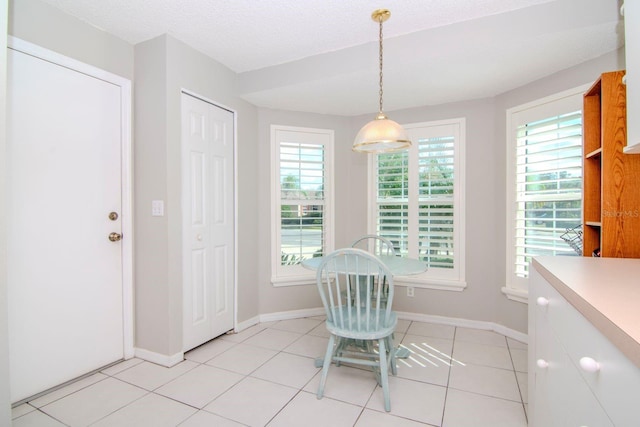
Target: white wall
(508,313)
(484,216)
(350,214)
(46,26)
(164,67)
(152,295)
(485,183)
(5,395)
(191,70)
(478,301)
(484,213)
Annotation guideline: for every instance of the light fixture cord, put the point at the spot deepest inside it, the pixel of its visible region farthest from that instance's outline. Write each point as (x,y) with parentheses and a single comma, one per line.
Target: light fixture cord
(380,21)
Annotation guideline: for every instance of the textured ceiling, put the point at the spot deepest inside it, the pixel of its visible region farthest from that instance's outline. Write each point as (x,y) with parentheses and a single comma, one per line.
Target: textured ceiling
(321,55)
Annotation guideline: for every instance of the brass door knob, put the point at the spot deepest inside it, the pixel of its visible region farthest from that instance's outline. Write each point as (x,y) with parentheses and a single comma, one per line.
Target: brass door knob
(114,237)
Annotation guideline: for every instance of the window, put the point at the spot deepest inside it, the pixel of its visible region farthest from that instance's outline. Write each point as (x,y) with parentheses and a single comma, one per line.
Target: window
(545,183)
(302,201)
(418,202)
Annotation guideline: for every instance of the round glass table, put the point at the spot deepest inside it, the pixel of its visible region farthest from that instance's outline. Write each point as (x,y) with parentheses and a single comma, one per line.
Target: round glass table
(399,266)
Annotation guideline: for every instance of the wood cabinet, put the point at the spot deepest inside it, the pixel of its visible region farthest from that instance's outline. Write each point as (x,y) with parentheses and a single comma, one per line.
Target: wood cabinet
(611,178)
(632,59)
(577,376)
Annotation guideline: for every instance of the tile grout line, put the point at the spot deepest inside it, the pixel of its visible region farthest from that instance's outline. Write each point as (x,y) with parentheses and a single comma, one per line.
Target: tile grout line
(515,373)
(51,416)
(292,397)
(249,375)
(446,391)
(122,407)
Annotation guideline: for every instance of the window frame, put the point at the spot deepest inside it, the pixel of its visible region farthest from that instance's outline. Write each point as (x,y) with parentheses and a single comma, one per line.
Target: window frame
(441,279)
(293,275)
(517,288)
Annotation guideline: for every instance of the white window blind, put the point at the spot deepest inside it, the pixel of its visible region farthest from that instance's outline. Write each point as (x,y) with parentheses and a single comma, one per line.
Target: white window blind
(419,201)
(302,200)
(392,199)
(544,183)
(302,224)
(436,191)
(549,187)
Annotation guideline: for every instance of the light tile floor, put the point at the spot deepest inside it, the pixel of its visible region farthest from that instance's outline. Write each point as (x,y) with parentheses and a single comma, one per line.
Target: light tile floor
(265,376)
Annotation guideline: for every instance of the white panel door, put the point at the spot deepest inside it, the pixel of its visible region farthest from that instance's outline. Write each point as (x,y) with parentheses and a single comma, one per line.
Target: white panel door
(65,277)
(208,220)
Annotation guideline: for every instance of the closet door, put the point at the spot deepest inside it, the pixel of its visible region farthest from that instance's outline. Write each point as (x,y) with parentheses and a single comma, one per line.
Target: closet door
(208,220)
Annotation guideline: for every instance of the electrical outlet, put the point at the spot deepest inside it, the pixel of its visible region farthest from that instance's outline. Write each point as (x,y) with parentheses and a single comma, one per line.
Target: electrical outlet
(410,291)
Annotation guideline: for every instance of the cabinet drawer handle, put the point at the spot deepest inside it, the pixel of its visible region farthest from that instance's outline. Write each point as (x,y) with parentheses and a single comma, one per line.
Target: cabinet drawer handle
(542,364)
(589,365)
(542,301)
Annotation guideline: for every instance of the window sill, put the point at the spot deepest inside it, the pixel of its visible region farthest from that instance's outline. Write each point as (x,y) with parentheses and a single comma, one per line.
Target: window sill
(518,295)
(437,284)
(293,281)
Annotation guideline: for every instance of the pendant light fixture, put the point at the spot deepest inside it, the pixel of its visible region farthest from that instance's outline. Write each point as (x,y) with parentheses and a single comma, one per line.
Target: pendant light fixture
(381,135)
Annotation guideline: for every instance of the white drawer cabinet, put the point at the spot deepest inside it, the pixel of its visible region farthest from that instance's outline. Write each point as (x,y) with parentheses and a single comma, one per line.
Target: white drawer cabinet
(576,376)
(568,399)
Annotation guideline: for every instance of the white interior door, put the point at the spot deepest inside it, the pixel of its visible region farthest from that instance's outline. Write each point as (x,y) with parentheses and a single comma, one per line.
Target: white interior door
(208,220)
(65,277)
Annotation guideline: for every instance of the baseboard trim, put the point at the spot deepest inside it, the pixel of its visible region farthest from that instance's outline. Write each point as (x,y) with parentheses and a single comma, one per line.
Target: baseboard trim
(247,324)
(157,358)
(419,317)
(293,314)
(465,323)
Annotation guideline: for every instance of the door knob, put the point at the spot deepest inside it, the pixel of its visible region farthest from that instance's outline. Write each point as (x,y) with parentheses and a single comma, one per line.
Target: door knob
(114,237)
(113,216)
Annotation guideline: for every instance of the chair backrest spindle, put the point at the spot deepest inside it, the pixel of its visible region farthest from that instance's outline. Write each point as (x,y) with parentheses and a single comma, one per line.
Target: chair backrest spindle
(347,283)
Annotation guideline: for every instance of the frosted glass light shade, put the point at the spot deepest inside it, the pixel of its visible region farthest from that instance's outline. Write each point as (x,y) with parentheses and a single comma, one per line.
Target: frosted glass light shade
(381,135)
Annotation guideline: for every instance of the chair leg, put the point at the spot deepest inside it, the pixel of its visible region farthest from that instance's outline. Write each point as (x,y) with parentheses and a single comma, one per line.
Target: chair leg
(392,356)
(325,367)
(384,374)
(341,345)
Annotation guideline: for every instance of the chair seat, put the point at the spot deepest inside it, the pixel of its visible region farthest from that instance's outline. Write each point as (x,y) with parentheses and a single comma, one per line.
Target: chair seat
(370,330)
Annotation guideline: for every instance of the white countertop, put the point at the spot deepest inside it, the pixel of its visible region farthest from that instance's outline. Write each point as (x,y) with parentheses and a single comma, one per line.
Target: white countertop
(604,290)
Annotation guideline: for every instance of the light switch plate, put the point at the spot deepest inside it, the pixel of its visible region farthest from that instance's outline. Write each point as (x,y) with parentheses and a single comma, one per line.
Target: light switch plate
(157,208)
